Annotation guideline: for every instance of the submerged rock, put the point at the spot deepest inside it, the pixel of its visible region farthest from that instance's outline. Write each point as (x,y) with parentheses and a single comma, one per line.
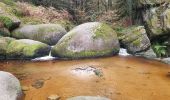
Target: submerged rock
(88,98)
(46,33)
(88,40)
(10,88)
(27,49)
(134,39)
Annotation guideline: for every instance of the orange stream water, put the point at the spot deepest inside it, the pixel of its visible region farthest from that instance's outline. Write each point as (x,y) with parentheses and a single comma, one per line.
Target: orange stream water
(124,78)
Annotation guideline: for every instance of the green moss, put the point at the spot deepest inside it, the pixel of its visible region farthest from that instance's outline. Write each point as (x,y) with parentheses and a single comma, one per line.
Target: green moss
(68,25)
(83,54)
(7,21)
(136,42)
(103,31)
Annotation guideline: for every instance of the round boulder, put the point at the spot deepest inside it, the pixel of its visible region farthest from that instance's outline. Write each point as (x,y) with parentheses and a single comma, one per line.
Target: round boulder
(46,33)
(10,88)
(27,49)
(88,40)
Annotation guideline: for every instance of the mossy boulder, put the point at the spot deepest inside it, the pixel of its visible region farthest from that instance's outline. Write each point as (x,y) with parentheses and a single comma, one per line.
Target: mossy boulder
(134,39)
(9,20)
(4,42)
(157,21)
(46,33)
(27,49)
(87,40)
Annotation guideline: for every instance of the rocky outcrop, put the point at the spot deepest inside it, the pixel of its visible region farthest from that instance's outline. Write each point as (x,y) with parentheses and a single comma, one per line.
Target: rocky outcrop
(4,42)
(46,33)
(27,49)
(88,40)
(152,2)
(157,20)
(134,39)
(88,98)
(10,88)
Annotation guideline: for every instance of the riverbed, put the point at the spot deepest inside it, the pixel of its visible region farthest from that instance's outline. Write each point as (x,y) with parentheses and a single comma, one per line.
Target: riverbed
(117,78)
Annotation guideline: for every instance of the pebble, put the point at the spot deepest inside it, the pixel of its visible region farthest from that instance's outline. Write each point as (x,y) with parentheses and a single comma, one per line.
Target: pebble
(53,97)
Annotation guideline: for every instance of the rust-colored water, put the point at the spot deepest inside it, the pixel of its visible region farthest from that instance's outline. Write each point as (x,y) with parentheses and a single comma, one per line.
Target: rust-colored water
(123,78)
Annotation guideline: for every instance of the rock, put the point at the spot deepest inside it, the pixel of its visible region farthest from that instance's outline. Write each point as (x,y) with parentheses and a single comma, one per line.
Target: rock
(152,2)
(4,42)
(46,33)
(157,21)
(27,49)
(4,32)
(150,54)
(88,40)
(25,88)
(38,83)
(134,39)
(88,98)
(10,88)
(166,60)
(7,18)
(53,97)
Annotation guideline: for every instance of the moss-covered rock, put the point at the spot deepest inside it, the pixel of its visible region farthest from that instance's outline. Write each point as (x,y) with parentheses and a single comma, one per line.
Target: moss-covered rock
(157,21)
(88,40)
(9,20)
(134,39)
(27,49)
(4,42)
(46,33)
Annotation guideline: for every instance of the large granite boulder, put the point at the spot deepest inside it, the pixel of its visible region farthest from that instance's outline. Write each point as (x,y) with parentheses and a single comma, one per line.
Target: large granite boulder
(10,88)
(46,33)
(27,49)
(4,42)
(91,39)
(134,39)
(88,98)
